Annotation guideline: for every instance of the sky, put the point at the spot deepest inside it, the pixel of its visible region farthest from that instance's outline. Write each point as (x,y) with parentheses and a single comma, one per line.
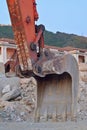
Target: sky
(69,16)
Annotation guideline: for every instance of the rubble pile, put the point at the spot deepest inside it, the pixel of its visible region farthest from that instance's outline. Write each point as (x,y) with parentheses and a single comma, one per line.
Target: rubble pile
(29,93)
(82,97)
(18,98)
(17,103)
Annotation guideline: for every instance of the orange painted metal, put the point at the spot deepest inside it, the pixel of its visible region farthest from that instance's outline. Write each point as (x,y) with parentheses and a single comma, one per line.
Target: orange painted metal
(35,11)
(23,15)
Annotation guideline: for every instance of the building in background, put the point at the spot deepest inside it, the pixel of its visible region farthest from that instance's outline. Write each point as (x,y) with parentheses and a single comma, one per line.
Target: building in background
(79,54)
(7,49)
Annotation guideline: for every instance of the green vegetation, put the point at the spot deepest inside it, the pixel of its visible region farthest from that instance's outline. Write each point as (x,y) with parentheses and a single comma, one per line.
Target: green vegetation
(6,32)
(56,39)
(63,39)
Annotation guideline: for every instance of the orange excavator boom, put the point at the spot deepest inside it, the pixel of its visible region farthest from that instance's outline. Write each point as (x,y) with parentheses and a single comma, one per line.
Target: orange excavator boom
(23,15)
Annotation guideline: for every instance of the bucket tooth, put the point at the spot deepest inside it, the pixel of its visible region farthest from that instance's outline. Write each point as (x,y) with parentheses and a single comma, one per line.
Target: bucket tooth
(37,115)
(64,114)
(54,116)
(43,116)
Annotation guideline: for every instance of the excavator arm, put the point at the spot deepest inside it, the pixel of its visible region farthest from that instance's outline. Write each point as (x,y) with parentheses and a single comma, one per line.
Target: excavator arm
(28,36)
(56,73)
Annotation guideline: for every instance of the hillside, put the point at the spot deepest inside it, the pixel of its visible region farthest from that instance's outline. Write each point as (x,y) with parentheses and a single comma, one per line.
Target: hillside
(6,32)
(56,39)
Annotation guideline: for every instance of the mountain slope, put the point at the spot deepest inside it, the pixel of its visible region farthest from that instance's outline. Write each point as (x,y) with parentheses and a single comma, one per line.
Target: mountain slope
(56,39)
